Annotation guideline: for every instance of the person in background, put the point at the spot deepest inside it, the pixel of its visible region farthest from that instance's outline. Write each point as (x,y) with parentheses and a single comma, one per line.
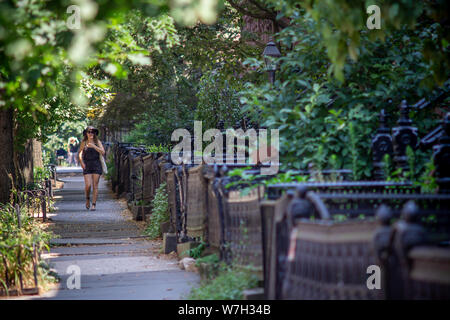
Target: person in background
(60,155)
(72,149)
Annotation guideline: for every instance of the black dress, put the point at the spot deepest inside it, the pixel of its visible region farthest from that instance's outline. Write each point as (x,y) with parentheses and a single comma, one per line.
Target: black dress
(73,148)
(91,159)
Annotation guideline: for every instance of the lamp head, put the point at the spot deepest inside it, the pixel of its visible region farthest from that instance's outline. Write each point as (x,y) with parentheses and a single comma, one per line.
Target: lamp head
(270,53)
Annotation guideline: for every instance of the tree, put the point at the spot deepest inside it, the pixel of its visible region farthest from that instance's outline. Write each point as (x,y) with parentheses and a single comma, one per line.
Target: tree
(321,114)
(178,86)
(41,63)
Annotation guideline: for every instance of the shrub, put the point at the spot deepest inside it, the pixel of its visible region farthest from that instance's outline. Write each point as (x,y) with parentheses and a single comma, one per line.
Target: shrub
(197,252)
(228,285)
(318,116)
(16,248)
(157,148)
(110,165)
(160,212)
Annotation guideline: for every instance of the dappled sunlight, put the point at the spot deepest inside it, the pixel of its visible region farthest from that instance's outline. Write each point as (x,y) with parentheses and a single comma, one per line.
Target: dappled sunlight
(136,161)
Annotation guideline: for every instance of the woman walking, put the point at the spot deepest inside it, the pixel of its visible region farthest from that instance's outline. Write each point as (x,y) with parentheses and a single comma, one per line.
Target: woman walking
(91,149)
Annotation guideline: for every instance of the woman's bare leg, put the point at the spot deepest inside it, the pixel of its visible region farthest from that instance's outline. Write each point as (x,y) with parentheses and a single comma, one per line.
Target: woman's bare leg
(95,180)
(87,187)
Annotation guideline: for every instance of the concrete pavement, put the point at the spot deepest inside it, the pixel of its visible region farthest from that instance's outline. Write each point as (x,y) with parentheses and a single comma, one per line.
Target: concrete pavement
(115,260)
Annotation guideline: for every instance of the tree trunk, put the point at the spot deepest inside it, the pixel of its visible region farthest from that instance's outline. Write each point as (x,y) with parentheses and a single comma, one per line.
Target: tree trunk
(24,164)
(6,154)
(37,154)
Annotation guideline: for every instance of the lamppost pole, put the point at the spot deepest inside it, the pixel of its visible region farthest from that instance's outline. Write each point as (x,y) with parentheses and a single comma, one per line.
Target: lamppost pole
(271,76)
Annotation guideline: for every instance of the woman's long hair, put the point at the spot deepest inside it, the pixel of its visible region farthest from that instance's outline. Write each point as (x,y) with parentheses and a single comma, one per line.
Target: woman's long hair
(85,138)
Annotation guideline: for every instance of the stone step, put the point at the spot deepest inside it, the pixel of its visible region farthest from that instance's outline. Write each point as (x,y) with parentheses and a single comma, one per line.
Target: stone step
(91,241)
(130,247)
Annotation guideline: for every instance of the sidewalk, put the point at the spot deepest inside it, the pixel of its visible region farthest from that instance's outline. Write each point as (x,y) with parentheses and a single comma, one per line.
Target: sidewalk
(74,169)
(115,261)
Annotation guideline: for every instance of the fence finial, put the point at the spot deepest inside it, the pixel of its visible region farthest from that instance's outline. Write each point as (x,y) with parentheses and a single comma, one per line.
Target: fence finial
(404,135)
(384,215)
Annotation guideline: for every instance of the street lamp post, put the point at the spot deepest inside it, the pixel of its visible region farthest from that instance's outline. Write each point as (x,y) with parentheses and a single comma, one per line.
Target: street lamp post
(270,53)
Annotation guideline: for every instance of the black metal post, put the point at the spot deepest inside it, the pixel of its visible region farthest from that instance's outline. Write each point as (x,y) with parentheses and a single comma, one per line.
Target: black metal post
(381,145)
(19,262)
(441,157)
(404,135)
(48,183)
(44,206)
(141,209)
(271,76)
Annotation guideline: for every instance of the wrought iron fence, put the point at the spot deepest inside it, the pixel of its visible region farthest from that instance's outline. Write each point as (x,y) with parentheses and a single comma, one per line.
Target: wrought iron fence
(313,254)
(38,200)
(311,240)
